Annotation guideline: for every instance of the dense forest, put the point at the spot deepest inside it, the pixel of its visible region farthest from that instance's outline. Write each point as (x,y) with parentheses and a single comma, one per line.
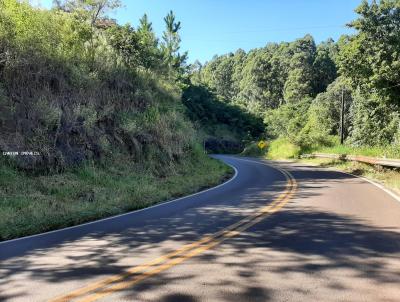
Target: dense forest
(297,88)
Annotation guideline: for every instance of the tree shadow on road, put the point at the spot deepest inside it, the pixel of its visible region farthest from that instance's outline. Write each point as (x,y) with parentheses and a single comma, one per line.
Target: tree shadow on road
(313,241)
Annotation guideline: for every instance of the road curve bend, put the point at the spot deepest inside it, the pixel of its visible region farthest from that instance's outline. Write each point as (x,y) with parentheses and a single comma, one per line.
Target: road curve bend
(275,232)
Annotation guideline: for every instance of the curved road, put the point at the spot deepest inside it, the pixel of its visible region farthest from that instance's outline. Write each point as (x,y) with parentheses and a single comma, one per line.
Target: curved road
(275,232)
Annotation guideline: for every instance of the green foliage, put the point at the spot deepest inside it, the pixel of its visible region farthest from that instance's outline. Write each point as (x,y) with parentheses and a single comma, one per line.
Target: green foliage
(374,122)
(148,44)
(323,116)
(171,44)
(260,83)
(206,109)
(296,89)
(324,66)
(125,41)
(299,83)
(95,9)
(252,149)
(282,148)
(74,68)
(269,77)
(371,58)
(218,75)
(288,120)
(67,75)
(95,99)
(35,204)
(381,151)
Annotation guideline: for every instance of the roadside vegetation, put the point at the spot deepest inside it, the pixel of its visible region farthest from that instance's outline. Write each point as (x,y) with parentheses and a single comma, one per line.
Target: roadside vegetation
(100,106)
(283,149)
(297,87)
(378,151)
(77,86)
(118,120)
(35,204)
(224,127)
(302,89)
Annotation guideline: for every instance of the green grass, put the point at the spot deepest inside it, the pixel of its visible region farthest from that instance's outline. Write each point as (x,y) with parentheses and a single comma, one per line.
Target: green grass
(281,148)
(389,151)
(34,204)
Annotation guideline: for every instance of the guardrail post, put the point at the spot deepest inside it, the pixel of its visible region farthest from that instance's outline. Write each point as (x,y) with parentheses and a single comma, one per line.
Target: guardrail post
(342,120)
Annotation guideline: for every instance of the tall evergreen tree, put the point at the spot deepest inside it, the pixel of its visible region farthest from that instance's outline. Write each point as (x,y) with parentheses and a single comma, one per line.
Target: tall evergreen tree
(148,43)
(171,45)
(325,70)
(300,77)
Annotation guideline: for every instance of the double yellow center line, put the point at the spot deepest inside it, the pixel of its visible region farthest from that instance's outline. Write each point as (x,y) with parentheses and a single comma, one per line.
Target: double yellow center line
(131,277)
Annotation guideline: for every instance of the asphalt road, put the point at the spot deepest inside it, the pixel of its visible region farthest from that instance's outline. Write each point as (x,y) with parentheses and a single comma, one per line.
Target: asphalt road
(286,232)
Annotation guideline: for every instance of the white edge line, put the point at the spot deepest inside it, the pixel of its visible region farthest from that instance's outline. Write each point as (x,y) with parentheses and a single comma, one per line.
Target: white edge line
(128,213)
(378,185)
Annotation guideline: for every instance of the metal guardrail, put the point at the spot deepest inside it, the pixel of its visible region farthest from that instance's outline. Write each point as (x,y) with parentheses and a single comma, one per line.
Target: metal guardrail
(385,162)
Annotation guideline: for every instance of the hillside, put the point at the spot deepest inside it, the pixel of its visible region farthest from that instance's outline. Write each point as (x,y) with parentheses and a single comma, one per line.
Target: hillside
(94,110)
(106,118)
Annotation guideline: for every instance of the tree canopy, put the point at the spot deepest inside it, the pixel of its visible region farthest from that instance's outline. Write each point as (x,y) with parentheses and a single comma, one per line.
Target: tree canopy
(298,86)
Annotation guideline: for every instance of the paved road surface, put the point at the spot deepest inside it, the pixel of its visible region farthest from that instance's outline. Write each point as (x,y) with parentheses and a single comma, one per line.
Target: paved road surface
(307,234)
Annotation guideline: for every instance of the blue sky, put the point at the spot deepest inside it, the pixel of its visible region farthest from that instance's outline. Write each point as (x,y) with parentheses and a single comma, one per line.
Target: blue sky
(212,27)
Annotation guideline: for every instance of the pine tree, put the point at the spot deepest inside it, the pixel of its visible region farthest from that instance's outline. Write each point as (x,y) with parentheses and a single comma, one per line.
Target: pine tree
(171,45)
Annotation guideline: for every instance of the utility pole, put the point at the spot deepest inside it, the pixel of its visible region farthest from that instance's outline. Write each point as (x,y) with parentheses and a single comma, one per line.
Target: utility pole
(342,120)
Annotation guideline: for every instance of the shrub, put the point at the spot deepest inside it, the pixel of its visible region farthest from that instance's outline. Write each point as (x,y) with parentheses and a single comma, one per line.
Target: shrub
(282,148)
(253,150)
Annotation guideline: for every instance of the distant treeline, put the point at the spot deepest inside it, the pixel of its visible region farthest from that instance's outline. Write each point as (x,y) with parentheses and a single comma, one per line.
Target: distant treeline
(226,127)
(297,87)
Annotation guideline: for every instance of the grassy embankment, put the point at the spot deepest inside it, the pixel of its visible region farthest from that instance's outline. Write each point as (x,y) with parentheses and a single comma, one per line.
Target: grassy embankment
(101,105)
(33,204)
(282,149)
